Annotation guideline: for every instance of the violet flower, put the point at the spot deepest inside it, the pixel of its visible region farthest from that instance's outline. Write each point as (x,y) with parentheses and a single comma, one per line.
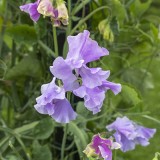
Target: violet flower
(82,50)
(101,147)
(31,9)
(53,102)
(129,134)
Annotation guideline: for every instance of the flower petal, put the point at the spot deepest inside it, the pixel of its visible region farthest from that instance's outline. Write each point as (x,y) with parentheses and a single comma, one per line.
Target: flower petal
(93,77)
(31,9)
(45,109)
(63,71)
(106,153)
(93,98)
(63,112)
(116,88)
(81,47)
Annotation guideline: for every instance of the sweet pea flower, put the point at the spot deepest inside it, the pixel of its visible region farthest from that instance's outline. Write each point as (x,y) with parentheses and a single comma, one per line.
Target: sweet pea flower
(45,8)
(93,98)
(129,134)
(53,102)
(62,12)
(101,147)
(31,9)
(83,50)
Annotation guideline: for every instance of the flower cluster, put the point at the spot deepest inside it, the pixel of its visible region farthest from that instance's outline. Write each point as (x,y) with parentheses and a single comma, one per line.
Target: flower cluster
(101,147)
(128,133)
(76,77)
(58,12)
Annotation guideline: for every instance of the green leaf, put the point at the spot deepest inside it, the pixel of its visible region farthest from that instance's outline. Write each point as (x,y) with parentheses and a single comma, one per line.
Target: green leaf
(130,95)
(44,129)
(22,34)
(80,137)
(2,6)
(3,68)
(118,11)
(26,127)
(82,110)
(28,66)
(138,8)
(41,152)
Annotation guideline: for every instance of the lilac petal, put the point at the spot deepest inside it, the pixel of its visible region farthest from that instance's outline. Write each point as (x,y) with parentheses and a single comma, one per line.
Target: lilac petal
(63,112)
(81,47)
(63,71)
(80,92)
(125,143)
(93,77)
(50,91)
(47,109)
(106,153)
(124,126)
(116,88)
(31,9)
(144,134)
(93,98)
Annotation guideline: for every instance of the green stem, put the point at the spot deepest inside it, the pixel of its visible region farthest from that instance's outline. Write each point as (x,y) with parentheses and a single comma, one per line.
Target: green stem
(64,142)
(55,41)
(87,17)
(46,48)
(68,27)
(115,155)
(3,27)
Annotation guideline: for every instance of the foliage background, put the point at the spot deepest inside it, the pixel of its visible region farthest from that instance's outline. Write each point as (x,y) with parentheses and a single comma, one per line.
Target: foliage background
(129,29)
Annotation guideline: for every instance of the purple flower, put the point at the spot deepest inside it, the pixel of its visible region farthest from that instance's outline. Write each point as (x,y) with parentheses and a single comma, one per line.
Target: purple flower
(101,147)
(31,9)
(83,49)
(92,77)
(93,98)
(73,70)
(63,71)
(53,102)
(128,133)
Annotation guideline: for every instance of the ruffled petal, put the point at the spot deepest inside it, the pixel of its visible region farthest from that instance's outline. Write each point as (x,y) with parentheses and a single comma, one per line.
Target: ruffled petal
(93,77)
(63,71)
(116,88)
(45,8)
(63,112)
(81,47)
(93,98)
(106,153)
(31,9)
(45,109)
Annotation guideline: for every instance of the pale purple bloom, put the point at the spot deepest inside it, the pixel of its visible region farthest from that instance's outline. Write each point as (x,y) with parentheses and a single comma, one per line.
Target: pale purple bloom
(115,87)
(83,49)
(101,147)
(31,9)
(73,69)
(128,133)
(63,71)
(92,77)
(93,98)
(53,102)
